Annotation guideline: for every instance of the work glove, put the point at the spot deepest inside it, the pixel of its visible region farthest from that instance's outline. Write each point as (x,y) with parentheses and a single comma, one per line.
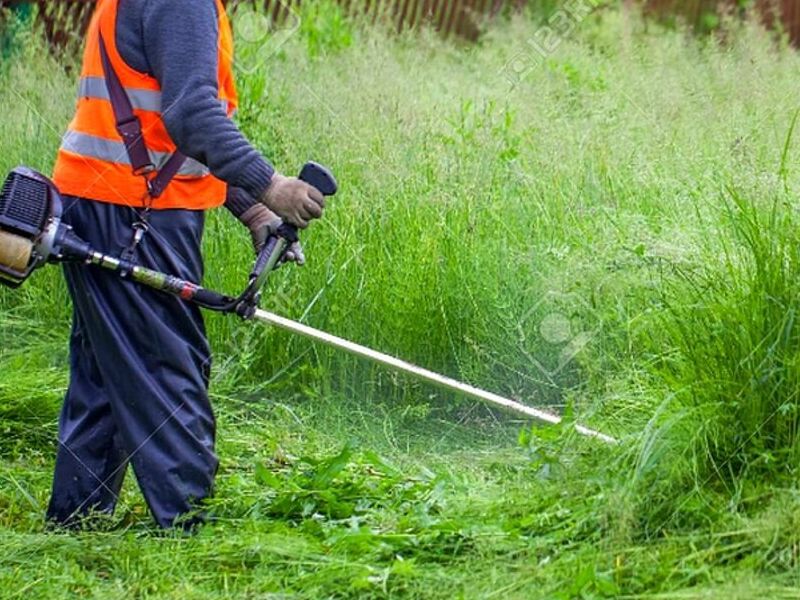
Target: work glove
(262,223)
(295,201)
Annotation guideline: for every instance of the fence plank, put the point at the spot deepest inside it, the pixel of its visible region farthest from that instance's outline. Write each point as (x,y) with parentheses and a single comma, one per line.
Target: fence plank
(66,20)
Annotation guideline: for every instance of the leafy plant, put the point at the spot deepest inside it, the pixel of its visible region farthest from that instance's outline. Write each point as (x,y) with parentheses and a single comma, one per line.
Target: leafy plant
(324,28)
(349,485)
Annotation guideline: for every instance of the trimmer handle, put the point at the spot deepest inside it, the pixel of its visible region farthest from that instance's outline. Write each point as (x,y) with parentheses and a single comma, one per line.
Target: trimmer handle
(317,176)
(274,248)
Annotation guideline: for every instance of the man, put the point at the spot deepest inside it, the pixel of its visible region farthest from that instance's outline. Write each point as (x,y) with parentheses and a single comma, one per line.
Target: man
(150,148)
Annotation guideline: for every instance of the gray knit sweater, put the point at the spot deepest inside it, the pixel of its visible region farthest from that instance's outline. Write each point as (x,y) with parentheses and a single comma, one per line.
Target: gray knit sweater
(176,41)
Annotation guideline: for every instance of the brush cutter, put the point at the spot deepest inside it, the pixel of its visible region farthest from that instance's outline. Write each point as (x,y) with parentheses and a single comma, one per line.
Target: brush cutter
(33,234)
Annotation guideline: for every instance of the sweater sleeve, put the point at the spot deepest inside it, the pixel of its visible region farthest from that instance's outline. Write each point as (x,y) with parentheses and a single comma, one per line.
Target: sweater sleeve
(238,201)
(181,48)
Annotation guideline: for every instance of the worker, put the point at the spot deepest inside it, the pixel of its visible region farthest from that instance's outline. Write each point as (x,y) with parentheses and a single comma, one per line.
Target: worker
(151,147)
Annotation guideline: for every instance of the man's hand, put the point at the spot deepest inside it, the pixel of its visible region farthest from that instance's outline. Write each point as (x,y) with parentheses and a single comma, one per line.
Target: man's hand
(262,223)
(295,201)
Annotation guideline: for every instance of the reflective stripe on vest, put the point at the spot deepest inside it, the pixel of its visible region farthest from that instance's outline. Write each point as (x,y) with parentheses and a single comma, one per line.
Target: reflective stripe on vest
(111,151)
(95,88)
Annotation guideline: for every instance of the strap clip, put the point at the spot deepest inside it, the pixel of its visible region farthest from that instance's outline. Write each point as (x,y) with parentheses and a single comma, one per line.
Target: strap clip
(140,227)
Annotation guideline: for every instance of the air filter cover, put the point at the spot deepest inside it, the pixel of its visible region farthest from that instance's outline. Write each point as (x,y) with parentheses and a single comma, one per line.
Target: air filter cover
(24,202)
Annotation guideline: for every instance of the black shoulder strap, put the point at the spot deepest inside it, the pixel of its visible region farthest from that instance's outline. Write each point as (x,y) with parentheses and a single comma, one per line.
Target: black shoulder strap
(129,128)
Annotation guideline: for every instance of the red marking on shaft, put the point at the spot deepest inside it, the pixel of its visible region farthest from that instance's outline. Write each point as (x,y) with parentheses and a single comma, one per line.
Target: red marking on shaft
(188,291)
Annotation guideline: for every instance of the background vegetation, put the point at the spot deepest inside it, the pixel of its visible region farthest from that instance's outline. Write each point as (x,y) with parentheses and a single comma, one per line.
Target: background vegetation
(610,226)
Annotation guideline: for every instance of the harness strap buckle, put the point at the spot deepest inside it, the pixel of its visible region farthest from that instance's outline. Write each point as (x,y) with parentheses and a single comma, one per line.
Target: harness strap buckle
(130,129)
(140,227)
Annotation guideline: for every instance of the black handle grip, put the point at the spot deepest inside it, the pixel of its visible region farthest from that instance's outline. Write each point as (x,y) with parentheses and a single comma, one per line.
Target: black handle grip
(211,299)
(320,177)
(313,174)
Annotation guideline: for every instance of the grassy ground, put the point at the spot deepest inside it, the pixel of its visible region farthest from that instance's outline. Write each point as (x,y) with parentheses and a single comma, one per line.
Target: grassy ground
(610,227)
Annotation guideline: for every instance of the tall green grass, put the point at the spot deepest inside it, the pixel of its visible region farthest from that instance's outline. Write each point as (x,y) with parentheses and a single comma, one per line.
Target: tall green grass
(611,228)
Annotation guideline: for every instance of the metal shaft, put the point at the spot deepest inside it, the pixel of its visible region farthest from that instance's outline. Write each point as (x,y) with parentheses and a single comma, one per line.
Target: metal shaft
(424,374)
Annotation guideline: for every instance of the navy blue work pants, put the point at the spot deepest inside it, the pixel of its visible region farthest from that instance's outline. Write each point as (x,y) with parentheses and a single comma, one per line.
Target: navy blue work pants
(139,371)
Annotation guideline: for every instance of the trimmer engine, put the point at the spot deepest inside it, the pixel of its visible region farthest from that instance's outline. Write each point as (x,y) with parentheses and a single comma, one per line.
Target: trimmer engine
(31,231)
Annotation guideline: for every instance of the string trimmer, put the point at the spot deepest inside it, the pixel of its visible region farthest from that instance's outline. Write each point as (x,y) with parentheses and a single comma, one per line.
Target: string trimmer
(33,234)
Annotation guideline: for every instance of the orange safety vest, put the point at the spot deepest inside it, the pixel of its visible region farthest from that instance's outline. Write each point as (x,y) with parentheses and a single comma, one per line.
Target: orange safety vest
(92,161)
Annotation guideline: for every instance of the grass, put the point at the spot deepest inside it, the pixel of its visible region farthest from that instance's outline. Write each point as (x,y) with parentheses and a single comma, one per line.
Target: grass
(610,229)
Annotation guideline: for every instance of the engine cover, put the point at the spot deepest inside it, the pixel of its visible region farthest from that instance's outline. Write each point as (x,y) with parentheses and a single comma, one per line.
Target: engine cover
(30,216)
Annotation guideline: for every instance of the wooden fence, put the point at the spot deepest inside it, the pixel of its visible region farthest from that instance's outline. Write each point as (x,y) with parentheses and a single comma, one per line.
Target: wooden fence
(451,17)
(66,19)
(785,12)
